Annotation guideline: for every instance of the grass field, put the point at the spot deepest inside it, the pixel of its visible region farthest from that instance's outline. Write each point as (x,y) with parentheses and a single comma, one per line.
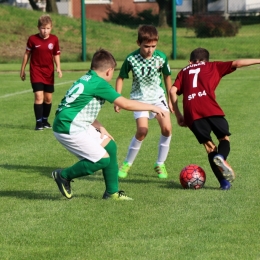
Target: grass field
(163,222)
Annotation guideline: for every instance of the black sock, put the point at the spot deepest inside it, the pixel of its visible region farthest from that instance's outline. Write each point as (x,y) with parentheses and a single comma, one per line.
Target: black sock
(224,148)
(214,167)
(46,112)
(38,108)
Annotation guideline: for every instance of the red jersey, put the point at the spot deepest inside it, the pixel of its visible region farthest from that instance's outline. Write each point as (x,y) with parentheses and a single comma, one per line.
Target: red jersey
(197,82)
(41,62)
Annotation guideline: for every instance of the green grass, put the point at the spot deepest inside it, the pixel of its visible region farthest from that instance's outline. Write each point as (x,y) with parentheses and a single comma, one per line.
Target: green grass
(163,222)
(17,24)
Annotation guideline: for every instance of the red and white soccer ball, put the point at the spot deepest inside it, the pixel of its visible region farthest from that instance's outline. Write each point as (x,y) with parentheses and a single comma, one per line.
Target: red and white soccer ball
(192,177)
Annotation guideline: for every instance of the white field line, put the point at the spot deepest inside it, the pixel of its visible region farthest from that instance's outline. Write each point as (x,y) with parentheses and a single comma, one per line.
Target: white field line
(30,90)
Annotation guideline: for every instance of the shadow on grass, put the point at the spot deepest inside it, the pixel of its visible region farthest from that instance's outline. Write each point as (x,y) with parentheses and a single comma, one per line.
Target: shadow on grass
(27,194)
(12,126)
(46,171)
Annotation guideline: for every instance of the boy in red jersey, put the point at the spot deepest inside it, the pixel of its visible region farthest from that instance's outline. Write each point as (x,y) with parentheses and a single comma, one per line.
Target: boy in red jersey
(42,49)
(202,114)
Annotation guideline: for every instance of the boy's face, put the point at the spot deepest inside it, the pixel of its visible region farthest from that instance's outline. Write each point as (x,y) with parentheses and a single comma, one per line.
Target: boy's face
(45,30)
(147,48)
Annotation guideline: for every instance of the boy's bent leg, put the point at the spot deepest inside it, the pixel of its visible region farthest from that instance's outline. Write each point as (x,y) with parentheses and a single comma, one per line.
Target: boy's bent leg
(224,148)
(224,184)
(110,173)
(79,169)
(224,167)
(84,167)
(63,184)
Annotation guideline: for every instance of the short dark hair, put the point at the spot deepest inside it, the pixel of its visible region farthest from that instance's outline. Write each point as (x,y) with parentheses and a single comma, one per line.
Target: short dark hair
(44,20)
(147,33)
(102,60)
(199,54)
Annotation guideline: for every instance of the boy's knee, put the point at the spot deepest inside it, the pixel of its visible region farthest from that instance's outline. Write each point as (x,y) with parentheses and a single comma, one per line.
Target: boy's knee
(111,148)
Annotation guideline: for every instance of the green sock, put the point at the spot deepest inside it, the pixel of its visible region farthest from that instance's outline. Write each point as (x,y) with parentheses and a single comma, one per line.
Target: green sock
(110,172)
(83,168)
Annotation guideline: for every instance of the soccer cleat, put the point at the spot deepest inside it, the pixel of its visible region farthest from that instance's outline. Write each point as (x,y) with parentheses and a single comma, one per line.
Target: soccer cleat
(161,171)
(224,167)
(38,126)
(225,185)
(63,184)
(123,170)
(46,125)
(120,195)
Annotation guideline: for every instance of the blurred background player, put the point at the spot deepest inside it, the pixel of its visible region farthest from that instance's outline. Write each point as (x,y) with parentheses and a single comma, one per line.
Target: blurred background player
(148,65)
(77,129)
(43,51)
(197,83)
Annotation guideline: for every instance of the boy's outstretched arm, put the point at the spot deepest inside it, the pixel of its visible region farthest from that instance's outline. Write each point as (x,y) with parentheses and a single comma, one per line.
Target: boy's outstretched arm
(119,87)
(244,62)
(133,105)
(174,100)
(168,84)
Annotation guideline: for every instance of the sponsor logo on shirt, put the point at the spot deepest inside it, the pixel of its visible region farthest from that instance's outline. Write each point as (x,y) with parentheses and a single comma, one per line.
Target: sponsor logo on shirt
(50,46)
(37,46)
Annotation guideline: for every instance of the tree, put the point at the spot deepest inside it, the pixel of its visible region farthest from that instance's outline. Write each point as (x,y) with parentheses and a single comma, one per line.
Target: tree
(163,12)
(199,6)
(51,6)
(34,5)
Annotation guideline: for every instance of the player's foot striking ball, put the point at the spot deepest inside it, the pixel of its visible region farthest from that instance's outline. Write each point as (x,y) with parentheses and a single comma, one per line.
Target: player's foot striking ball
(192,177)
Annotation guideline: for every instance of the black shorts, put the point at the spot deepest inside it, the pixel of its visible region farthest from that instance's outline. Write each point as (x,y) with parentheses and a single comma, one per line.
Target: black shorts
(42,87)
(202,128)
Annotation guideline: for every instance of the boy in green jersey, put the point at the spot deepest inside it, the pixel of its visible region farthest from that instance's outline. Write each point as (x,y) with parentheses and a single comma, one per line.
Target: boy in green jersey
(148,67)
(76,127)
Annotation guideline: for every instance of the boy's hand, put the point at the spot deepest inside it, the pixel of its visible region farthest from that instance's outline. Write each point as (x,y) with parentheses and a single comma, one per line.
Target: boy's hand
(117,108)
(171,107)
(23,76)
(158,111)
(59,73)
(103,132)
(180,120)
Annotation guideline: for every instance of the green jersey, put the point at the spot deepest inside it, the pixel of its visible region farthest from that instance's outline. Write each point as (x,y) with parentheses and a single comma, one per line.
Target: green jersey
(82,103)
(147,83)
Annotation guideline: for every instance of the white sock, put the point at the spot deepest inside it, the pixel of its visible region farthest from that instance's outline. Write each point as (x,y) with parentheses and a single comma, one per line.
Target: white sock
(163,148)
(133,150)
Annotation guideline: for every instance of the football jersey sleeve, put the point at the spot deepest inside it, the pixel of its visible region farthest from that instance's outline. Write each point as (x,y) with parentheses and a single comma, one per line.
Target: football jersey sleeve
(107,92)
(56,48)
(124,71)
(224,68)
(166,70)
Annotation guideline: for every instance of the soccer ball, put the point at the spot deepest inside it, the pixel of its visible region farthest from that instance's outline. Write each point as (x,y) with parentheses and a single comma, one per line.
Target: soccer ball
(192,177)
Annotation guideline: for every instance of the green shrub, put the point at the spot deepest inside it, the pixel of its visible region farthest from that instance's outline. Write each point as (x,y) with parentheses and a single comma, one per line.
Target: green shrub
(212,26)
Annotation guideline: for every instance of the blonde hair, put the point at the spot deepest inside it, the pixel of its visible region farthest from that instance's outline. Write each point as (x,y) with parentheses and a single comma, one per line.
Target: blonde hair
(44,20)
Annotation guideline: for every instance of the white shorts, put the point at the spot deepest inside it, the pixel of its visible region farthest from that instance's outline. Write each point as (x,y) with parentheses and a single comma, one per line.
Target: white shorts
(85,145)
(161,102)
